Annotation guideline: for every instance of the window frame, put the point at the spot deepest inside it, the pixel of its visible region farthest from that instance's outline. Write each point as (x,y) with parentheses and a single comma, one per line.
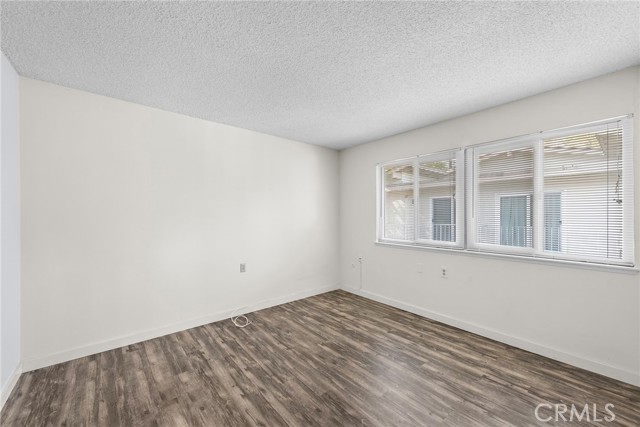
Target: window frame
(458,155)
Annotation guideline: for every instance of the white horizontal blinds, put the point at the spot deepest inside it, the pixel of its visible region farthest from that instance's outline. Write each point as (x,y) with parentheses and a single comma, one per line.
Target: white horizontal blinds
(398,202)
(584,201)
(503,199)
(437,198)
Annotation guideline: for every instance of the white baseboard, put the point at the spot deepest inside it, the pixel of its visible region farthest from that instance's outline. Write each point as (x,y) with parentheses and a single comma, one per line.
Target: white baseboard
(552,353)
(98,347)
(7,388)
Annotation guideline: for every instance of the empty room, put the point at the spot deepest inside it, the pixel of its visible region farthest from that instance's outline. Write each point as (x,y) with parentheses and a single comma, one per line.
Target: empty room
(320,213)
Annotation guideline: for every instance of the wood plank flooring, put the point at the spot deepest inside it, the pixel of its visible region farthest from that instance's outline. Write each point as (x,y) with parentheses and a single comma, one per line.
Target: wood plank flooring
(331,360)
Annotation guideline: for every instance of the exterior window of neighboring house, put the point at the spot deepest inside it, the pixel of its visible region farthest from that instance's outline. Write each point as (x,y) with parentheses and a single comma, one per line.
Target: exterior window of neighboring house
(443,219)
(562,194)
(516,215)
(516,221)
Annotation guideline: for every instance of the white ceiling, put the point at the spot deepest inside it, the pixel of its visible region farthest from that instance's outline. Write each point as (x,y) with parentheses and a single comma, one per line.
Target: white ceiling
(326,73)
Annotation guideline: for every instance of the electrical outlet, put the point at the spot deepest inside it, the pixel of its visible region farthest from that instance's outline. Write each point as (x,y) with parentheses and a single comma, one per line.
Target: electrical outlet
(243,268)
(443,272)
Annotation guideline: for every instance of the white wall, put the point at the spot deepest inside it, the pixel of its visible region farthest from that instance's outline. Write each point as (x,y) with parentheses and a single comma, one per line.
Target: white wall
(590,318)
(135,221)
(9,231)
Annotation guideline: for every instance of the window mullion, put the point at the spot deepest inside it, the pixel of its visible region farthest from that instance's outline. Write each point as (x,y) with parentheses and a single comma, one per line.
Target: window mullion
(472,235)
(460,227)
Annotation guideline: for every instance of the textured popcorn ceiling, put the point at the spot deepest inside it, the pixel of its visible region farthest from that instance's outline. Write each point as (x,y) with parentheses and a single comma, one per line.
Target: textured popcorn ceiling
(333,74)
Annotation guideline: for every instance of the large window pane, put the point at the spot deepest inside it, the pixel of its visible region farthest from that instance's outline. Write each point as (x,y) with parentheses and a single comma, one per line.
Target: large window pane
(504,205)
(586,169)
(399,209)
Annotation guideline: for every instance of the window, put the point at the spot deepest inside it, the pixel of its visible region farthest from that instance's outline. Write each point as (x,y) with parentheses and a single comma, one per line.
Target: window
(553,222)
(587,167)
(419,198)
(398,197)
(502,198)
(563,194)
(440,183)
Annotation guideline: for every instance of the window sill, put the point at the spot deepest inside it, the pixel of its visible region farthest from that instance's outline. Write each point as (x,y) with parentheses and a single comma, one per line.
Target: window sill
(556,262)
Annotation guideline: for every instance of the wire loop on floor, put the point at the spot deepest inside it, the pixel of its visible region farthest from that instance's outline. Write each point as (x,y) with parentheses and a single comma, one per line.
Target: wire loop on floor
(241,321)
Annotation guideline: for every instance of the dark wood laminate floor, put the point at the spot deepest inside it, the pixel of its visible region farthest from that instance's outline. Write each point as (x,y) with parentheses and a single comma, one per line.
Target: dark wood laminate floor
(331,360)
